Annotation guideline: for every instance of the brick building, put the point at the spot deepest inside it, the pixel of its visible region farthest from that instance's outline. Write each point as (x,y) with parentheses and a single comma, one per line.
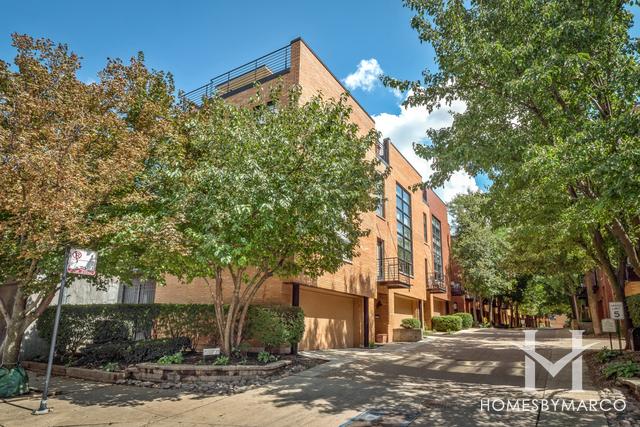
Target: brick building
(403,268)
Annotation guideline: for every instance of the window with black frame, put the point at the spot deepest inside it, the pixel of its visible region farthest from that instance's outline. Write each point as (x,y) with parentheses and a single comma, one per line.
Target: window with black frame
(405,244)
(436,237)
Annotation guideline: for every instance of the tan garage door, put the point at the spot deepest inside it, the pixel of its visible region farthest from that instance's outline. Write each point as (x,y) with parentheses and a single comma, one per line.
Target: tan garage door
(328,320)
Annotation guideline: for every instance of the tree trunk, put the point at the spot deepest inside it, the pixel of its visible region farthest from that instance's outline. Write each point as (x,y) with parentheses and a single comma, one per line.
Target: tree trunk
(473,311)
(15,327)
(593,303)
(491,311)
(574,307)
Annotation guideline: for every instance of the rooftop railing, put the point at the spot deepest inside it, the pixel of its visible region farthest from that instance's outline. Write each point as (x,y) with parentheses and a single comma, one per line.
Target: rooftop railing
(259,70)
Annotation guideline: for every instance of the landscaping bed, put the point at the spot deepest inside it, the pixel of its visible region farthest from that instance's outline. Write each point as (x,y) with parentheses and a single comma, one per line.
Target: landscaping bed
(608,369)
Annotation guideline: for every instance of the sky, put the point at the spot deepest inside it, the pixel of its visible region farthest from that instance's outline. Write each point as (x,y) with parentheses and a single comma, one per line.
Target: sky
(196,40)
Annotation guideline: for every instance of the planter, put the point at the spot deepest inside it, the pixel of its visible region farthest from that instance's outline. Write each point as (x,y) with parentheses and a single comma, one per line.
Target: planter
(81,373)
(202,373)
(382,338)
(407,335)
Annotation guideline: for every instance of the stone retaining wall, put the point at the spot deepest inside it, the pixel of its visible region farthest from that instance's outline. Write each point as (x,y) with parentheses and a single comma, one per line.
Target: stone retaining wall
(202,373)
(82,373)
(407,335)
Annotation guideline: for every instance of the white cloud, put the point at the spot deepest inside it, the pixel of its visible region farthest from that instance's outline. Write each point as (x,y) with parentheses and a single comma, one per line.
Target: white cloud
(410,126)
(366,75)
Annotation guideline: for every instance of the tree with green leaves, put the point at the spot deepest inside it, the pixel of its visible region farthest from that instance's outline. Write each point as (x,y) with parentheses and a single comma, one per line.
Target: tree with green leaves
(479,249)
(72,156)
(550,89)
(263,192)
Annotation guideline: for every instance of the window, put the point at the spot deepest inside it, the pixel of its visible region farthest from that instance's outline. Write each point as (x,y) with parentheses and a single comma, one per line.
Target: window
(436,236)
(380,257)
(424,196)
(403,217)
(381,199)
(138,292)
(425,231)
(383,150)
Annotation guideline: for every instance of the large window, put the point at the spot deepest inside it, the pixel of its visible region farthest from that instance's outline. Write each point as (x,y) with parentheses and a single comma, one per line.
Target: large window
(381,199)
(436,236)
(403,217)
(425,232)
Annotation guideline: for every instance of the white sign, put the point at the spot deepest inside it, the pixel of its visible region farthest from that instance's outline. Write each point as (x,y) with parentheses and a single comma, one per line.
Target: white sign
(82,261)
(211,351)
(608,326)
(616,310)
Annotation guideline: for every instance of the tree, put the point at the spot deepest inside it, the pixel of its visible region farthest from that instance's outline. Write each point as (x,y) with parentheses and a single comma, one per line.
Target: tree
(264,192)
(479,249)
(550,89)
(71,155)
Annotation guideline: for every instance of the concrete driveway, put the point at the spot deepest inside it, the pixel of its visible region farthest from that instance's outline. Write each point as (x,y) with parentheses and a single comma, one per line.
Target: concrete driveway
(439,381)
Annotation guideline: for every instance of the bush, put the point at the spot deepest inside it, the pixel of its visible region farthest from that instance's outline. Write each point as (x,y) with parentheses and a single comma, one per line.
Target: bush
(266,357)
(605,355)
(81,324)
(626,369)
(131,352)
(273,326)
(410,323)
(193,321)
(447,323)
(467,319)
(633,302)
(221,361)
(171,359)
(111,330)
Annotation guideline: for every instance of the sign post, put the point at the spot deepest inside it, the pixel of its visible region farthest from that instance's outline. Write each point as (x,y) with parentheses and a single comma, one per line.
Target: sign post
(616,309)
(609,326)
(78,261)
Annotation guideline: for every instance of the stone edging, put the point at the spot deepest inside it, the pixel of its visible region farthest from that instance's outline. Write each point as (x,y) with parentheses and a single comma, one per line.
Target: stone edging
(215,368)
(81,373)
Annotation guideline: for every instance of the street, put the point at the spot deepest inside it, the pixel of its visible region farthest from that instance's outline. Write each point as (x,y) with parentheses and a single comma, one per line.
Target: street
(439,381)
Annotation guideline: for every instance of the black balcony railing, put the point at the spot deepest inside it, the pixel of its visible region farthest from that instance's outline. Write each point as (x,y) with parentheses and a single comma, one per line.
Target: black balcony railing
(457,290)
(394,272)
(259,70)
(436,283)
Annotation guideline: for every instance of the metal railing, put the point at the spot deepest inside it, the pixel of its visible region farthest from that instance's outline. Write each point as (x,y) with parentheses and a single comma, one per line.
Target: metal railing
(394,271)
(259,70)
(457,290)
(436,283)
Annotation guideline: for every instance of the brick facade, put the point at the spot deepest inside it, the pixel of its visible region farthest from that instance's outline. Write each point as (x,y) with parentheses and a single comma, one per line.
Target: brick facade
(328,299)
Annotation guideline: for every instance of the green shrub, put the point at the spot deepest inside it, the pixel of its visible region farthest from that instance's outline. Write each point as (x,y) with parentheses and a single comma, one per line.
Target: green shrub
(625,369)
(131,352)
(273,326)
(171,359)
(446,323)
(81,324)
(110,367)
(467,319)
(221,360)
(633,302)
(266,357)
(194,321)
(410,323)
(606,355)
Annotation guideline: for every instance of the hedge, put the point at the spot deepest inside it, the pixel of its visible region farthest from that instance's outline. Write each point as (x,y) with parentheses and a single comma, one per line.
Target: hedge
(130,352)
(467,319)
(633,303)
(80,325)
(410,323)
(446,323)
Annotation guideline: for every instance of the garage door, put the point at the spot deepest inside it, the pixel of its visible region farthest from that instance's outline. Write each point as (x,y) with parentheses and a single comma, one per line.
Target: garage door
(328,320)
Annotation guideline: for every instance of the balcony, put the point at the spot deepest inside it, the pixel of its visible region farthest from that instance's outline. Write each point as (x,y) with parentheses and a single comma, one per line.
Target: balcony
(436,283)
(260,70)
(394,273)
(457,290)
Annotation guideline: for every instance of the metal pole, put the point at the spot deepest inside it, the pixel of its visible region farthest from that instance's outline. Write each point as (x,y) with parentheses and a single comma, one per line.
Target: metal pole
(610,341)
(43,409)
(619,339)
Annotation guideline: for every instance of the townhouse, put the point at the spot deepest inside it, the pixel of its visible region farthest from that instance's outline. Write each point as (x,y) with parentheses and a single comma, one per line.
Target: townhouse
(402,269)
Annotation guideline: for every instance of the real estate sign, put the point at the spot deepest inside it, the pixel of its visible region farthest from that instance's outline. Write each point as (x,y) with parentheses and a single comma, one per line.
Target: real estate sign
(609,326)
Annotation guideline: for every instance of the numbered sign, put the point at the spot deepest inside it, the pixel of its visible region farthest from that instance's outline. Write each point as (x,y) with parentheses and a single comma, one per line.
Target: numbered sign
(609,326)
(616,310)
(82,261)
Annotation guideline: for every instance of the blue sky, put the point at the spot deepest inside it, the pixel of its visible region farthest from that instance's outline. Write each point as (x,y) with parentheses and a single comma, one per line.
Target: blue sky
(197,40)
